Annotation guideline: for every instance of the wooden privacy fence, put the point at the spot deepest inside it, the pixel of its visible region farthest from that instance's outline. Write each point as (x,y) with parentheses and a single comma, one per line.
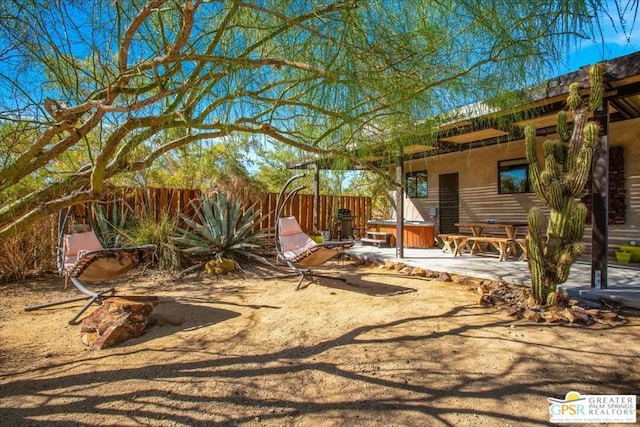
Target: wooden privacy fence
(152,202)
(39,249)
(302,209)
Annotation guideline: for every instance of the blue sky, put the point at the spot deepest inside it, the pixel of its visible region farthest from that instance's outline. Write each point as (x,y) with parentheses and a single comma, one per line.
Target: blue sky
(613,43)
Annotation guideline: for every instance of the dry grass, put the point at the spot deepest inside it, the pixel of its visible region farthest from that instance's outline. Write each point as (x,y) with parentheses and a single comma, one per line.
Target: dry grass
(32,251)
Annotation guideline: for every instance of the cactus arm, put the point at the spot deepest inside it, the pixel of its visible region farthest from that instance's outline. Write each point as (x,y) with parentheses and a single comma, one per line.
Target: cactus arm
(557,183)
(563,126)
(596,76)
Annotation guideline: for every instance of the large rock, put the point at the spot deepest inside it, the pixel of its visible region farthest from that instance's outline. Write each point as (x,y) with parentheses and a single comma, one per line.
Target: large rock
(444,277)
(419,272)
(532,316)
(116,320)
(406,270)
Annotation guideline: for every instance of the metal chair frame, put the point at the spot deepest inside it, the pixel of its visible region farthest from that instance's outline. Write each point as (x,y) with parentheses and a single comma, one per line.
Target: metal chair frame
(285,197)
(92,297)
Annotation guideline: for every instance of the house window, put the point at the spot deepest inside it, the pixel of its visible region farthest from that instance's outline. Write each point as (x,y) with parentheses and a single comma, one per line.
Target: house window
(417,184)
(513,176)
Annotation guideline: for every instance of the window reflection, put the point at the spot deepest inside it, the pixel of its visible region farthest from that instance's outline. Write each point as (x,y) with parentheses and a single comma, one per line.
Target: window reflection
(513,176)
(416,184)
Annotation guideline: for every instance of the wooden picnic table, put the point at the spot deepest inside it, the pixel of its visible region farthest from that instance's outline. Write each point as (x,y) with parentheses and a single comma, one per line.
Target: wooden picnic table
(510,228)
(504,245)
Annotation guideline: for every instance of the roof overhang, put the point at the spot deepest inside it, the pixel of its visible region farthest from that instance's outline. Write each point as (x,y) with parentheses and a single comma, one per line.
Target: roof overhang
(478,125)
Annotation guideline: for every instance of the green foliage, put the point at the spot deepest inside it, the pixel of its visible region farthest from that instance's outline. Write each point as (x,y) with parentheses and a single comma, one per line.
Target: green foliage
(158,232)
(512,184)
(118,227)
(221,228)
(112,222)
(98,97)
(558,185)
(202,164)
(379,188)
(273,174)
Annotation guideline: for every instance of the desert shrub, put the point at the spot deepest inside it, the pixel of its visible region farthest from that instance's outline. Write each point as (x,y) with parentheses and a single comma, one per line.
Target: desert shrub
(158,232)
(117,225)
(15,258)
(28,252)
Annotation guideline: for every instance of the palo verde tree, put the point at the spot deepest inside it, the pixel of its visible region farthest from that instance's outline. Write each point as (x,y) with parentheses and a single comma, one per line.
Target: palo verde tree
(559,182)
(94,89)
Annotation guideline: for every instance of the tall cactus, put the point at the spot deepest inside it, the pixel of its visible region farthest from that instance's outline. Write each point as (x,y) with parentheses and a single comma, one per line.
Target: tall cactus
(559,182)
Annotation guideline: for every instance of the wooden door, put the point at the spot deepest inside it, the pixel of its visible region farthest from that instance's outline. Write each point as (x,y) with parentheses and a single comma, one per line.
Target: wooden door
(449,203)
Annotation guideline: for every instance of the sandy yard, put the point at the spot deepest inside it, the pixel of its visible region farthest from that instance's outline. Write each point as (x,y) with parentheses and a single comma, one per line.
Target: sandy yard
(384,350)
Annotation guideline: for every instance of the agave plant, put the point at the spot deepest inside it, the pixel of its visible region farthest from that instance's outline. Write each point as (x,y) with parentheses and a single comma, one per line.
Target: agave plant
(113,221)
(221,227)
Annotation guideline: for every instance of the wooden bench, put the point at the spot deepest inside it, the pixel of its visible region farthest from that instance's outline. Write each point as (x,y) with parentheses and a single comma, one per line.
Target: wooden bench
(455,243)
(378,238)
(502,244)
(485,244)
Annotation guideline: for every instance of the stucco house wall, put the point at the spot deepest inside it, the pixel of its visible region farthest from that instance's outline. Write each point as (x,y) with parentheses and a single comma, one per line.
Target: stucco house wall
(478,183)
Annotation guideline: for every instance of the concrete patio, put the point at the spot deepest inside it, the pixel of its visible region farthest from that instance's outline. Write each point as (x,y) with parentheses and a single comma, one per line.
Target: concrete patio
(623,283)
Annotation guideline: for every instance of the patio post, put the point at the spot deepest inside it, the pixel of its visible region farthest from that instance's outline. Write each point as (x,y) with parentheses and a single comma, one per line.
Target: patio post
(400,205)
(600,201)
(316,197)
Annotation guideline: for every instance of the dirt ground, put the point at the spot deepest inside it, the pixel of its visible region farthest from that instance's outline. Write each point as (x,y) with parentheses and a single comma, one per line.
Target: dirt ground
(383,350)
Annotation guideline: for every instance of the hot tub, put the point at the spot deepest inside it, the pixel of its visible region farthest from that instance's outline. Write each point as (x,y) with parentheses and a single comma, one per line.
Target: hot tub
(416,234)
